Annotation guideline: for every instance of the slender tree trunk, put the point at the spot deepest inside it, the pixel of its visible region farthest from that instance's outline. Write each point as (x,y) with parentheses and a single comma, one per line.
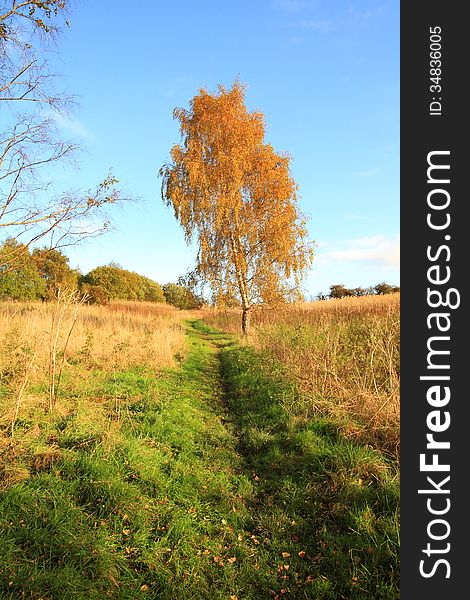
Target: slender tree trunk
(242,283)
(245,321)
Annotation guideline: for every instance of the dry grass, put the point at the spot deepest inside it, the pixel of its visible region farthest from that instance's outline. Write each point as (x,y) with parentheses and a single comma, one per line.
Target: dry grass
(344,355)
(121,334)
(83,339)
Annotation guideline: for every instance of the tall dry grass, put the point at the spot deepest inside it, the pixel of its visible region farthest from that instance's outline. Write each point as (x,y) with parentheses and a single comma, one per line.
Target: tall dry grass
(120,334)
(344,356)
(40,342)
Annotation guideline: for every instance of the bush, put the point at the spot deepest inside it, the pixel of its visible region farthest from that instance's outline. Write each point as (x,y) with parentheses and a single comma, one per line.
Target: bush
(181,297)
(95,294)
(19,276)
(120,284)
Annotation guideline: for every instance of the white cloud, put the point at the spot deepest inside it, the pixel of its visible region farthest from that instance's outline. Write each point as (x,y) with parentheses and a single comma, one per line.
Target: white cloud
(74,126)
(322,25)
(355,217)
(378,250)
(366,173)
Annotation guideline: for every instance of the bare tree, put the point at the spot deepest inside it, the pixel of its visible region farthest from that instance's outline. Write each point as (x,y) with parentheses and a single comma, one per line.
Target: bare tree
(30,141)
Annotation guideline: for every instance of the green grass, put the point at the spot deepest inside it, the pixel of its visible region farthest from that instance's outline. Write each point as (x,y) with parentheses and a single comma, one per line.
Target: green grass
(335,500)
(195,483)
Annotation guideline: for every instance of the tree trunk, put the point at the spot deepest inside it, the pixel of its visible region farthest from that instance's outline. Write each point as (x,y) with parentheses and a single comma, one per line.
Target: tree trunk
(245,321)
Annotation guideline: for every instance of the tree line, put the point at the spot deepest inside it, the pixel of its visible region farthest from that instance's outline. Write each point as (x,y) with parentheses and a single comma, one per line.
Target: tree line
(340,291)
(39,275)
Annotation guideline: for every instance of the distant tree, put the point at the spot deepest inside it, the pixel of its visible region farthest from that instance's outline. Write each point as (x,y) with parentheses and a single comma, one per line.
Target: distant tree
(120,284)
(339,291)
(181,296)
(53,267)
(359,291)
(174,294)
(94,294)
(21,279)
(109,279)
(151,290)
(385,288)
(234,193)
(30,141)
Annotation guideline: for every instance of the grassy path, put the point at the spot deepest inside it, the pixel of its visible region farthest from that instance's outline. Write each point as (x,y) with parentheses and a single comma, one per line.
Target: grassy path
(199,484)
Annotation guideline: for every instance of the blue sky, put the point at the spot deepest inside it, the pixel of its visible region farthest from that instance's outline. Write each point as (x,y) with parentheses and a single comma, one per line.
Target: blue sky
(324,73)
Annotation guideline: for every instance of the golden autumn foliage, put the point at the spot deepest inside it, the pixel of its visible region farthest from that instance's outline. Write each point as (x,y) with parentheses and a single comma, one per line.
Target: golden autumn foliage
(234,194)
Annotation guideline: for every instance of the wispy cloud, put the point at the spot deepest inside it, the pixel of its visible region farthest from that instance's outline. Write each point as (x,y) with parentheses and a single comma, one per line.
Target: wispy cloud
(378,250)
(355,217)
(73,126)
(358,16)
(322,25)
(366,173)
(306,16)
(294,6)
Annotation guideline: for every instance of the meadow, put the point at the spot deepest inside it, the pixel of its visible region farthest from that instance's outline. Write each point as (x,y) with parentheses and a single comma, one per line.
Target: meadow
(343,354)
(147,452)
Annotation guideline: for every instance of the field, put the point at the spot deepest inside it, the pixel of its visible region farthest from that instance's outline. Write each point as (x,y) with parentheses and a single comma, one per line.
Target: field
(151,453)
(344,355)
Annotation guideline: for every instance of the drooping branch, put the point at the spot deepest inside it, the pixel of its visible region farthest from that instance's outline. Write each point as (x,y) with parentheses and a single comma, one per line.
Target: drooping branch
(233,194)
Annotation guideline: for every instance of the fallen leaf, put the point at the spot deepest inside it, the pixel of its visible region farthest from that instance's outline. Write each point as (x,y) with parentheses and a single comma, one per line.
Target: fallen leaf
(301,553)
(144,588)
(126,531)
(232,560)
(317,557)
(285,554)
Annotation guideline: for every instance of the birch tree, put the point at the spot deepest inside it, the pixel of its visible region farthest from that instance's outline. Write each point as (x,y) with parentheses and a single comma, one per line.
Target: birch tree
(234,195)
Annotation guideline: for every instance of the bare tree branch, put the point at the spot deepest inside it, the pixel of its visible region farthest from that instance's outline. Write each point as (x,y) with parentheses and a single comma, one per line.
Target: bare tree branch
(30,140)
